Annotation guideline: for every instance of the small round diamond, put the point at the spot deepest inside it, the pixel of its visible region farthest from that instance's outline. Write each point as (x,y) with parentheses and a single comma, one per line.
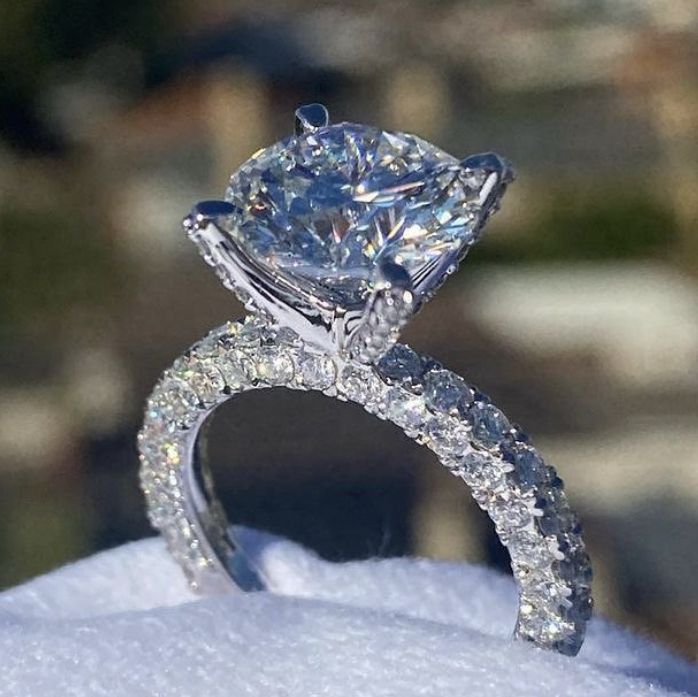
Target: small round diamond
(405,410)
(445,391)
(489,423)
(274,367)
(481,470)
(318,372)
(447,437)
(401,366)
(206,381)
(178,403)
(524,545)
(359,385)
(252,333)
(529,469)
(231,367)
(510,512)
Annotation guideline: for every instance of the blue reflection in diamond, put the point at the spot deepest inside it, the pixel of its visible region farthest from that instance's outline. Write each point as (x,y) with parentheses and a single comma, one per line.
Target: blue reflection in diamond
(445,391)
(326,206)
(401,365)
(490,426)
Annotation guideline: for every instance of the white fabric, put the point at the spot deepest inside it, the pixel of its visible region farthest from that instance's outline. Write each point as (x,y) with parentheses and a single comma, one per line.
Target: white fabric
(123,623)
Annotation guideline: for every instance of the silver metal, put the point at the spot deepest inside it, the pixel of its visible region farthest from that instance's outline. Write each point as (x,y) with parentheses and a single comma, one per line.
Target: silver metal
(367,331)
(330,327)
(273,294)
(470,436)
(298,337)
(311,116)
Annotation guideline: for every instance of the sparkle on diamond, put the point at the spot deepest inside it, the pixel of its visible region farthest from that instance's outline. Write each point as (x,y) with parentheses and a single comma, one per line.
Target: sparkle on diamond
(326,206)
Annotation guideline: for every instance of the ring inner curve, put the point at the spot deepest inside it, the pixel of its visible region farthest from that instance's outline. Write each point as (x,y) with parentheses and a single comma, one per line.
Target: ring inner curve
(471,437)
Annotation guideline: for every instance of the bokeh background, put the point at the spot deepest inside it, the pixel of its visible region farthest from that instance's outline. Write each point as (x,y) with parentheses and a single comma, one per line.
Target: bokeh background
(578,313)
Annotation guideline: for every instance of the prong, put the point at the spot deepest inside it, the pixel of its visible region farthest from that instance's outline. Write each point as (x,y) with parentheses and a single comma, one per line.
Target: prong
(393,276)
(310,117)
(490,163)
(490,175)
(391,305)
(211,226)
(207,212)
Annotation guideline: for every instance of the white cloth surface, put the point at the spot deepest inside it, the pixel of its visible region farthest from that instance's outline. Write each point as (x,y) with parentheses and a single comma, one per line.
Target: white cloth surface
(124,623)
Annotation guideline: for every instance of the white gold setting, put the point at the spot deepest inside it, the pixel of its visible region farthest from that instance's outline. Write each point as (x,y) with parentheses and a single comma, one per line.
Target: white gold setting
(305,334)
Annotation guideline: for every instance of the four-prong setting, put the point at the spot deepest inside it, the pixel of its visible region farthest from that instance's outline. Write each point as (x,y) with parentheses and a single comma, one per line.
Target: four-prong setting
(341,232)
(333,239)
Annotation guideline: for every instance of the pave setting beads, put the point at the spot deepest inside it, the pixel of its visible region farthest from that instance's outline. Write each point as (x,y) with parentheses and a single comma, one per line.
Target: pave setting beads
(523,496)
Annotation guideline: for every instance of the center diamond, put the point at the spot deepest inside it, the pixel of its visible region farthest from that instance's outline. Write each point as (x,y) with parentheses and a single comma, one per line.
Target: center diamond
(325,208)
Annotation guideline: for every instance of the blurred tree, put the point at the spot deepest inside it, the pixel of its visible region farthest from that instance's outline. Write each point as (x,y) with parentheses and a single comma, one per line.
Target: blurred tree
(48,265)
(591,225)
(37,35)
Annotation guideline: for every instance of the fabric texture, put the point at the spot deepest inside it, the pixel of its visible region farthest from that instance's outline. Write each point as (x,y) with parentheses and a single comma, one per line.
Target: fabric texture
(124,623)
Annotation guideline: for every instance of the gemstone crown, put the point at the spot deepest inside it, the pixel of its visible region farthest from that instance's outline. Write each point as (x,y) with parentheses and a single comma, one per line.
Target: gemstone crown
(327,207)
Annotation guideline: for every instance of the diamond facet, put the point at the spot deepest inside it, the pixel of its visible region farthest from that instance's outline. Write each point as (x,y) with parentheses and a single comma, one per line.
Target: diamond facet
(404,409)
(489,423)
(445,391)
(274,367)
(318,372)
(401,366)
(326,207)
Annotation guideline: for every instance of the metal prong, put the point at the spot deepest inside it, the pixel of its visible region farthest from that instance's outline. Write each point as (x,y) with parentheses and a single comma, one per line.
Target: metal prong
(491,174)
(206,212)
(311,116)
(393,276)
(211,226)
(388,310)
(490,163)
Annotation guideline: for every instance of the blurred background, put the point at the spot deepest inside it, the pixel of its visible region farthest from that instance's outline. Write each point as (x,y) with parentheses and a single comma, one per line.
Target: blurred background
(578,313)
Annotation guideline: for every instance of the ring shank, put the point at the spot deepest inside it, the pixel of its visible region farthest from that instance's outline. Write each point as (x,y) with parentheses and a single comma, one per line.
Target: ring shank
(233,569)
(471,437)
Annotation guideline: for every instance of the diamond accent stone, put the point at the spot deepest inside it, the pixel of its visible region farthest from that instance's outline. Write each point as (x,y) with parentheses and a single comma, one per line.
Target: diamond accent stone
(445,391)
(327,206)
(523,496)
(359,386)
(489,423)
(318,372)
(232,370)
(203,377)
(447,437)
(401,366)
(529,468)
(405,410)
(177,403)
(482,470)
(274,367)
(509,512)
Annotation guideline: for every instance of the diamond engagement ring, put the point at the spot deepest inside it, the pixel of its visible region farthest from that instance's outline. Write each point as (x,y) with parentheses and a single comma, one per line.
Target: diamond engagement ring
(333,239)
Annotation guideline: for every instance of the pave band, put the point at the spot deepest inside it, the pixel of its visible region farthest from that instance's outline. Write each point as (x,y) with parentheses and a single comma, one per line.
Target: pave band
(471,437)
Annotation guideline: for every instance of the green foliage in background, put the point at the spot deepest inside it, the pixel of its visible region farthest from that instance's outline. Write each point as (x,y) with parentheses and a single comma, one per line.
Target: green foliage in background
(591,225)
(51,262)
(51,524)
(39,36)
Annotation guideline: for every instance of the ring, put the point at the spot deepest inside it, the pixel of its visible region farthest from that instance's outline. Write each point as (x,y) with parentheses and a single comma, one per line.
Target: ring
(333,239)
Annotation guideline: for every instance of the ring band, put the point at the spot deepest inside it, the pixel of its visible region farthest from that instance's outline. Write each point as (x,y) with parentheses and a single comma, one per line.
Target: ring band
(333,239)
(471,437)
